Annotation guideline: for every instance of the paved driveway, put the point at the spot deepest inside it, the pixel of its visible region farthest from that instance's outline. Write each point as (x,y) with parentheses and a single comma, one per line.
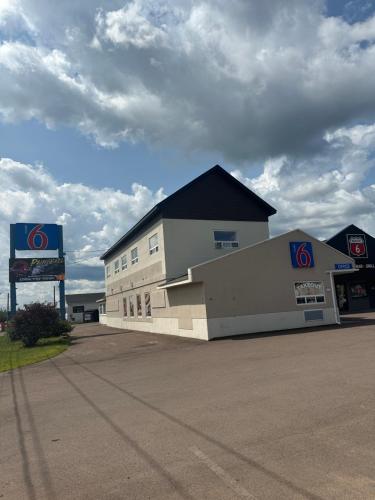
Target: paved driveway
(125,415)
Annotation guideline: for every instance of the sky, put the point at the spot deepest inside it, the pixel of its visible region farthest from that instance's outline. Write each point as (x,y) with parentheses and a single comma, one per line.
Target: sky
(108,107)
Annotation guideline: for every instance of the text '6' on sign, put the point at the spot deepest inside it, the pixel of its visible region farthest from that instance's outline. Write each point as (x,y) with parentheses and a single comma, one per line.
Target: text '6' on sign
(301,254)
(30,236)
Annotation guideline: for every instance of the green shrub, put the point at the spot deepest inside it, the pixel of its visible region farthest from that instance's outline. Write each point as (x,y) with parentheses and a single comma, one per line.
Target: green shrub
(11,332)
(3,315)
(62,327)
(33,322)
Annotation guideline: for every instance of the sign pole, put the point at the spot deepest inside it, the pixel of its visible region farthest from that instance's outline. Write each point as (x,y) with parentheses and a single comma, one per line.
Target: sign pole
(13,292)
(62,282)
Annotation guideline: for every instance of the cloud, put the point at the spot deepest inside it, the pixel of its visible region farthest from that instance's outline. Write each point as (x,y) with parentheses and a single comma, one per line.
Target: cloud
(130,26)
(93,219)
(321,194)
(249,80)
(325,192)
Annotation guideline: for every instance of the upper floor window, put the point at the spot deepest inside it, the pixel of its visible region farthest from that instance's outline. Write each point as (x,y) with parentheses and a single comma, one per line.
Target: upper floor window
(124,262)
(108,271)
(117,266)
(153,244)
(134,255)
(225,239)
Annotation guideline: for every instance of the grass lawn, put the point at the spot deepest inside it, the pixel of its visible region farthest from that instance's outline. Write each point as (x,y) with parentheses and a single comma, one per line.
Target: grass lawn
(14,354)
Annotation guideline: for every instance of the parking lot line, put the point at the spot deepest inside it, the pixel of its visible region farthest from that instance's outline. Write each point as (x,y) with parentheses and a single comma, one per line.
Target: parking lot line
(222,474)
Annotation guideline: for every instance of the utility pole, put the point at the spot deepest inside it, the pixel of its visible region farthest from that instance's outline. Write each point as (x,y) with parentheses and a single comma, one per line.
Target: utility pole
(8,306)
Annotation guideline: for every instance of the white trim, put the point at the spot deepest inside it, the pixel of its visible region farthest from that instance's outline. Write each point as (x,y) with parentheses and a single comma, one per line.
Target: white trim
(267,322)
(171,285)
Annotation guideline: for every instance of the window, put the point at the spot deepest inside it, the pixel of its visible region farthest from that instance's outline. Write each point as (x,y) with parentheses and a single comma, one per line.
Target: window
(358,290)
(225,239)
(134,255)
(102,308)
(153,244)
(124,262)
(117,266)
(131,306)
(125,305)
(139,306)
(78,309)
(309,292)
(148,304)
(108,271)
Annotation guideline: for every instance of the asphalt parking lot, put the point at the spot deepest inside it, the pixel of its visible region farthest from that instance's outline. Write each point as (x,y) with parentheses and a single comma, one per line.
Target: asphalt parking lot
(126,415)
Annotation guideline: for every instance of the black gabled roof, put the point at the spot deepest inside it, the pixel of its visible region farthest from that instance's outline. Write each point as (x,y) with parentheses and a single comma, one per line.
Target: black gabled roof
(214,195)
(351,229)
(340,242)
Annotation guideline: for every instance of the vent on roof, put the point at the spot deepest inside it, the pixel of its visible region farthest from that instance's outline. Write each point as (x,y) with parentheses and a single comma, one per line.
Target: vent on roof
(314,315)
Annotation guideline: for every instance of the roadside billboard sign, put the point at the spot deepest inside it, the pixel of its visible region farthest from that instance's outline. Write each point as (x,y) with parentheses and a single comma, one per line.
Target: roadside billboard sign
(34,270)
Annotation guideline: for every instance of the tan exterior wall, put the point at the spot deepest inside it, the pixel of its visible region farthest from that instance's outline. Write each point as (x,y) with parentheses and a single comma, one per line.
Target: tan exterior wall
(191,242)
(260,281)
(179,311)
(103,319)
(149,269)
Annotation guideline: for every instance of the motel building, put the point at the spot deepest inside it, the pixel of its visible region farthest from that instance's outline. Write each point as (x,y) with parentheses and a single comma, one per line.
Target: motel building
(356,291)
(201,264)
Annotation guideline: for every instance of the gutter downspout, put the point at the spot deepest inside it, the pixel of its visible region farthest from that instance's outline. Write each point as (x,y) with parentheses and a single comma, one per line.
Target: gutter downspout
(336,309)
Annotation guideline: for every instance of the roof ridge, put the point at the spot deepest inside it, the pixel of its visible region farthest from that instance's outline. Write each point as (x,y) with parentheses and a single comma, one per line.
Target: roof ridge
(157,209)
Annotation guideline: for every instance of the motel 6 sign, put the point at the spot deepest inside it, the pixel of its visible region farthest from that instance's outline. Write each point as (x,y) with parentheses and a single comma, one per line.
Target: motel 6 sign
(36,236)
(301,254)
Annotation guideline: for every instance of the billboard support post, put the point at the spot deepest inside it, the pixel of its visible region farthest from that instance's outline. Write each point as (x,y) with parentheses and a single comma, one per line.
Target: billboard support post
(13,292)
(61,282)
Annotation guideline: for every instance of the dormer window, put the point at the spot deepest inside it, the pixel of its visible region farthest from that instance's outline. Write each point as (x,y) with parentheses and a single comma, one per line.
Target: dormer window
(225,239)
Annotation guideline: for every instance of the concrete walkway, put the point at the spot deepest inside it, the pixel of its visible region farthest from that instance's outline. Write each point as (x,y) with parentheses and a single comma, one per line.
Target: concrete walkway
(125,415)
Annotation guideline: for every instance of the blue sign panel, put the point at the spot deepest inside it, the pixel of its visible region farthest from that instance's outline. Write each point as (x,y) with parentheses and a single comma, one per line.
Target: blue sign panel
(343,266)
(30,236)
(301,254)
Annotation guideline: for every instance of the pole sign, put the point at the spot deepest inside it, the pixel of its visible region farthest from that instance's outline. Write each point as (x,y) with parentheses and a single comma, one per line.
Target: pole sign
(357,246)
(31,270)
(301,254)
(30,236)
